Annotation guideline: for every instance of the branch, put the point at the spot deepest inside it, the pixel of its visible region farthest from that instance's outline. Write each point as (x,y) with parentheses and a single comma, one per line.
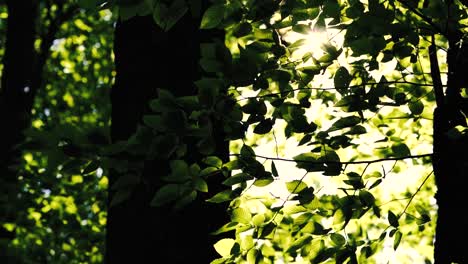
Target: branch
(344,162)
(422,16)
(335,88)
(414,194)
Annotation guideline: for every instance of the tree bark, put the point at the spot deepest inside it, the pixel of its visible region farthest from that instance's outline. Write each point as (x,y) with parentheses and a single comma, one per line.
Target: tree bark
(450,163)
(147,58)
(16,98)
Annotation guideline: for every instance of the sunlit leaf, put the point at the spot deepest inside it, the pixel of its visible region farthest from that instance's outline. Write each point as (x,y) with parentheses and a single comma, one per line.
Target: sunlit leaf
(397,239)
(295,186)
(200,185)
(220,197)
(224,246)
(241,215)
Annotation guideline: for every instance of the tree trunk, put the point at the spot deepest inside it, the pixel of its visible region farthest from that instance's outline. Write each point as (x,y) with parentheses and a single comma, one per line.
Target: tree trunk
(16,99)
(450,163)
(147,58)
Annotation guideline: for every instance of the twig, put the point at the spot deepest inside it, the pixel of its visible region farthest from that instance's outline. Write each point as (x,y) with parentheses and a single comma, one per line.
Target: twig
(344,162)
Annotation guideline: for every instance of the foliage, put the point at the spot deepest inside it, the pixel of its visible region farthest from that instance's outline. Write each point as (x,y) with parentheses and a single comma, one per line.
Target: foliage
(353,105)
(268,84)
(62,200)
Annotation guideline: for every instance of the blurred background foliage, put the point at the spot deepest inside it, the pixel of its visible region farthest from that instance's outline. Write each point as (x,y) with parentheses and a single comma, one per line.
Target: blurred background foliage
(61,209)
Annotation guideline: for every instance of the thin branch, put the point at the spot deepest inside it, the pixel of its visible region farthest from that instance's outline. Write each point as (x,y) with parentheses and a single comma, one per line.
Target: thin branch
(414,194)
(344,162)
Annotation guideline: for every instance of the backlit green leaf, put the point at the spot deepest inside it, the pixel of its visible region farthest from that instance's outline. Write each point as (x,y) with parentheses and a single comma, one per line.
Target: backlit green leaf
(213,16)
(166,194)
(224,246)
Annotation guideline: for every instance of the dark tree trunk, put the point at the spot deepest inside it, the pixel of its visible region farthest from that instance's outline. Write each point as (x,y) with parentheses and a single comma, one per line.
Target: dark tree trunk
(450,162)
(147,58)
(16,98)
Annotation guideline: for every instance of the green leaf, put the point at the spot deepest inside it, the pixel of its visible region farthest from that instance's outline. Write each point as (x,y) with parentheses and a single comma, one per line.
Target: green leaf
(305,139)
(194,170)
(262,182)
(425,218)
(188,102)
(220,197)
(375,184)
(91,167)
(185,200)
(301,28)
(176,11)
(258,219)
(397,239)
(166,194)
(400,150)
(213,16)
(274,171)
(297,44)
(254,106)
(341,123)
(366,198)
(337,239)
(264,126)
(154,121)
(299,243)
(160,11)
(232,165)
(242,29)
(392,219)
(309,161)
(342,78)
(400,98)
(241,215)
(179,171)
(225,228)
(238,178)
(200,185)
(247,152)
(306,195)
(120,196)
(208,171)
(416,107)
(208,90)
(224,246)
(296,186)
(357,130)
(166,99)
(213,161)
